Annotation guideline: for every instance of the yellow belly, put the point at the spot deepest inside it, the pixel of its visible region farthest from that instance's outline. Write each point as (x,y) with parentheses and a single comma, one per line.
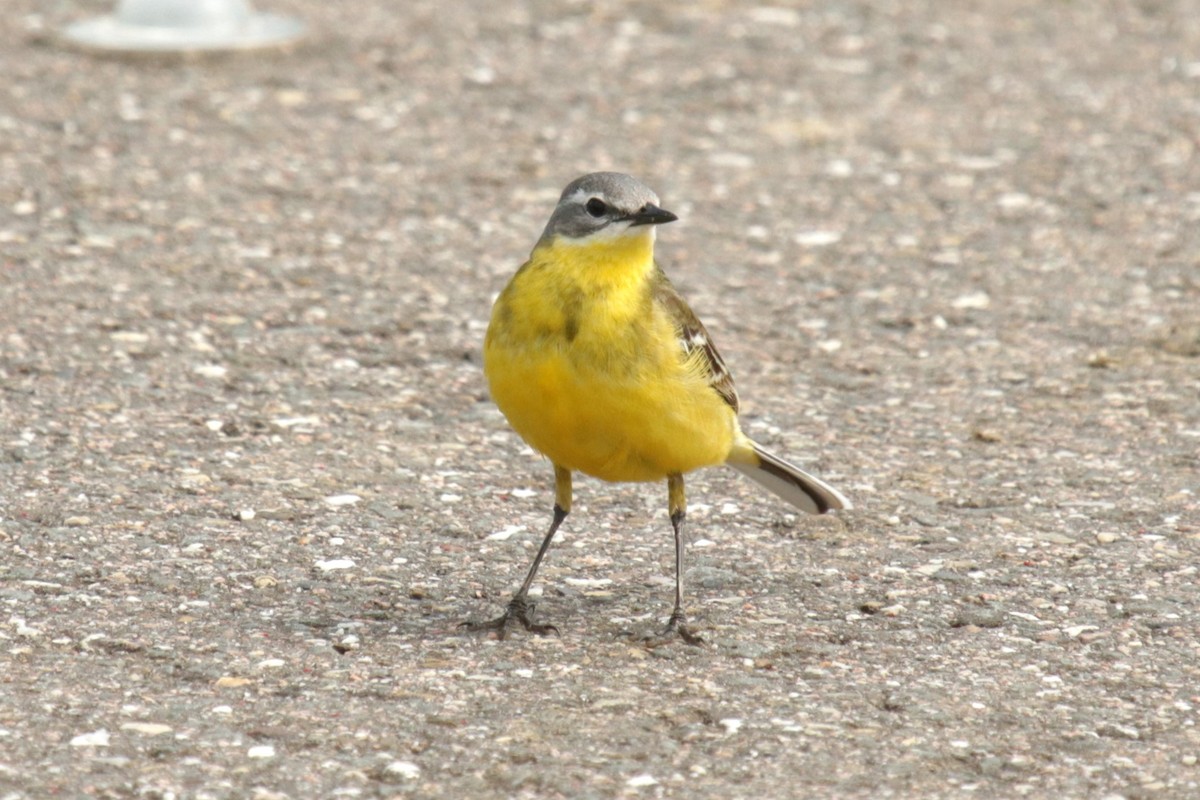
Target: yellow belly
(590,371)
(639,427)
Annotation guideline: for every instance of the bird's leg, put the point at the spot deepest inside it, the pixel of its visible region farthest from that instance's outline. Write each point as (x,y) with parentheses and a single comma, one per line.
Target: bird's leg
(520,608)
(677,504)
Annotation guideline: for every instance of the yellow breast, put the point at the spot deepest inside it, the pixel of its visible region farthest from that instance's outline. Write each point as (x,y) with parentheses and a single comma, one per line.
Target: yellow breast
(590,371)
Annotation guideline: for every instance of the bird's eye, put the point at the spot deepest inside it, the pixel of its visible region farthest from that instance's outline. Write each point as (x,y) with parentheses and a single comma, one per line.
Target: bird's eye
(596,207)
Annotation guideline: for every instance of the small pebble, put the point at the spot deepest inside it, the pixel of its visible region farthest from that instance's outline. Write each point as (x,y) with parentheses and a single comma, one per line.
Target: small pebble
(1075,630)
(978,618)
(94,739)
(21,629)
(146,728)
(817,238)
(732,724)
(504,533)
(1012,201)
(973,300)
(1114,730)
(403,769)
(210,370)
(129,337)
(989,435)
(294,422)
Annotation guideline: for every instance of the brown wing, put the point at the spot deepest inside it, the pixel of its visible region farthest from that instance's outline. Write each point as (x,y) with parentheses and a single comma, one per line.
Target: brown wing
(693,337)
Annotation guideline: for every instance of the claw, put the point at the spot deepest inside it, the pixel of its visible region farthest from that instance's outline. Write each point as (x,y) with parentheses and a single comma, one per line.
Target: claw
(519,610)
(676,626)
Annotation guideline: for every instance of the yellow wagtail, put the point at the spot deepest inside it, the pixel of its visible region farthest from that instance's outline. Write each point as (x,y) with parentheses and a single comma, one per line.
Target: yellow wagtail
(602,367)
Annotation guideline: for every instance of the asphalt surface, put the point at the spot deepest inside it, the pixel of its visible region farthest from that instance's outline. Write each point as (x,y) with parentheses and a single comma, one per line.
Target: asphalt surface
(250,480)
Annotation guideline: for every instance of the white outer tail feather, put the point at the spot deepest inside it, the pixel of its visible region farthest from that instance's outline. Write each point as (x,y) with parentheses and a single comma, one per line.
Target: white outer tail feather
(793,484)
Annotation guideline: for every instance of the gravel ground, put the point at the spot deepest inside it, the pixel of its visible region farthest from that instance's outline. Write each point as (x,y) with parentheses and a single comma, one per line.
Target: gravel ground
(250,479)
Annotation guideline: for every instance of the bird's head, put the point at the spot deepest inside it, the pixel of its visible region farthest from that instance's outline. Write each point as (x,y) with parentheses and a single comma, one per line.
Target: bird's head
(605,206)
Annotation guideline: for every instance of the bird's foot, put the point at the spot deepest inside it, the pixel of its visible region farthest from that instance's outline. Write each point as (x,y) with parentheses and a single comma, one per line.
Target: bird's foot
(676,626)
(519,610)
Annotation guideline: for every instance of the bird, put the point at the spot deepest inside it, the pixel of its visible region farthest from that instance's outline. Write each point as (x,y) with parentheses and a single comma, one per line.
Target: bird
(601,366)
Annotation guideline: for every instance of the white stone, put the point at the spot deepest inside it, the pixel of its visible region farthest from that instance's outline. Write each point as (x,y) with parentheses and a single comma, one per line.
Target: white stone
(405,769)
(335,563)
(94,739)
(817,238)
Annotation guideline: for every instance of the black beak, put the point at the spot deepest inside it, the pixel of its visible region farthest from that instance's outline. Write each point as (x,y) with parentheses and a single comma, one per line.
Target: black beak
(650,214)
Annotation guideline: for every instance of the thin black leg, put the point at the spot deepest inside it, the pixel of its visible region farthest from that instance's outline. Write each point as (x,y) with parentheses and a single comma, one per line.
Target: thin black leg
(677,503)
(520,608)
